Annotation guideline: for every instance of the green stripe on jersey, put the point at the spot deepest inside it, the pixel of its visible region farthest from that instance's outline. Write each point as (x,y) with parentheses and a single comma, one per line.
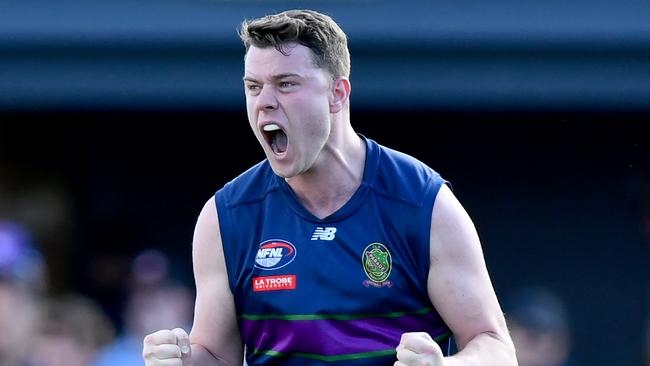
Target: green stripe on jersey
(334,316)
(333,358)
(345,357)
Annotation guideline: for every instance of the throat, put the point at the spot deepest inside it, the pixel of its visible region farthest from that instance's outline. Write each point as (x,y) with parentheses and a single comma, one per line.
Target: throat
(323,197)
(333,179)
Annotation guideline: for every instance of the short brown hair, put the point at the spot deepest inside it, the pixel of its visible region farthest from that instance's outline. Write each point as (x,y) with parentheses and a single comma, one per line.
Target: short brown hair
(311,29)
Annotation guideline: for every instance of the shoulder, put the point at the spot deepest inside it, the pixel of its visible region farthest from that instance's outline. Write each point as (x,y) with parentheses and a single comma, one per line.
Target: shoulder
(250,186)
(405,178)
(453,236)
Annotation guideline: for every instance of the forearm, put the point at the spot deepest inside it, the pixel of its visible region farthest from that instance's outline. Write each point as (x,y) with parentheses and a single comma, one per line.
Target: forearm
(202,357)
(485,350)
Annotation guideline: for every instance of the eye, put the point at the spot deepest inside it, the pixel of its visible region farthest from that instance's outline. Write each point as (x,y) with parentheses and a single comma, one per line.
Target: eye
(253,88)
(286,84)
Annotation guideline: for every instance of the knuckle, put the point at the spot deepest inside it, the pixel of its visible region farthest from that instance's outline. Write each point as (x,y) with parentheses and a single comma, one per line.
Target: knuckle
(180,333)
(147,353)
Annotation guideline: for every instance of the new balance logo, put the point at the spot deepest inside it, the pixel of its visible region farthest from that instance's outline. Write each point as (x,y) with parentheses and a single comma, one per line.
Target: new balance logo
(326,233)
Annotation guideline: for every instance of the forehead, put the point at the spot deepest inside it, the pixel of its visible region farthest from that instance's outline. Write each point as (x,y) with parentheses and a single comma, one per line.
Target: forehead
(269,61)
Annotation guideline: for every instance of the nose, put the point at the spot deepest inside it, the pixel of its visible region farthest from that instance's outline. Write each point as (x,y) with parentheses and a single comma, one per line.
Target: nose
(266,99)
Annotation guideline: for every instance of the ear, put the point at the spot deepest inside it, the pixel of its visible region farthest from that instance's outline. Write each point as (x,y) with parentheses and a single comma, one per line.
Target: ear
(340,94)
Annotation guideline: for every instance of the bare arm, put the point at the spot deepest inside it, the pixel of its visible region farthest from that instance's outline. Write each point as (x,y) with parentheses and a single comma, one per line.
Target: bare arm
(215,335)
(215,339)
(460,288)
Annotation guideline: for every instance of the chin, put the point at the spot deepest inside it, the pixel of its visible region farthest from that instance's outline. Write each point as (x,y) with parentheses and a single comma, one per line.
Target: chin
(282,171)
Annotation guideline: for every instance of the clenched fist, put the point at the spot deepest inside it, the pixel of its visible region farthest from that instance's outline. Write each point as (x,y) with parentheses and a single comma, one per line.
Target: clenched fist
(167,348)
(418,349)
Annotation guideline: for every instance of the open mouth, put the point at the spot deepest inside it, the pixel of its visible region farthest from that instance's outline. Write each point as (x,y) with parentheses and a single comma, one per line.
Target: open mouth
(276,137)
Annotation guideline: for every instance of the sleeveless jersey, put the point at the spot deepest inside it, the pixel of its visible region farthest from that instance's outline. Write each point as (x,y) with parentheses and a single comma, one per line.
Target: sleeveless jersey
(334,291)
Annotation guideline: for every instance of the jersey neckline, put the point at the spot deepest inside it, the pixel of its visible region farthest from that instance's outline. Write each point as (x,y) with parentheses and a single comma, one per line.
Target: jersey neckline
(369,174)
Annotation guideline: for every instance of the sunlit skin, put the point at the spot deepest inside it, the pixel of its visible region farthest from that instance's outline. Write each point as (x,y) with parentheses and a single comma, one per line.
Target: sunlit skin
(291,92)
(324,157)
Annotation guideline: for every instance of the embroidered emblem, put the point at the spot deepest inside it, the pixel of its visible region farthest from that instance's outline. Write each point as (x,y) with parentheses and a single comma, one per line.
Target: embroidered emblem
(274,254)
(377,263)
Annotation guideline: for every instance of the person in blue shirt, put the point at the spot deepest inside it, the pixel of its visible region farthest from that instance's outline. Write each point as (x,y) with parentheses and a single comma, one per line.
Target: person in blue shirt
(334,249)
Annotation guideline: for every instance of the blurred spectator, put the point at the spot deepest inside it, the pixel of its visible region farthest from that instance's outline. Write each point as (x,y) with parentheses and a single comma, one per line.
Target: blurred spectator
(72,329)
(539,326)
(21,282)
(38,200)
(18,320)
(20,262)
(155,302)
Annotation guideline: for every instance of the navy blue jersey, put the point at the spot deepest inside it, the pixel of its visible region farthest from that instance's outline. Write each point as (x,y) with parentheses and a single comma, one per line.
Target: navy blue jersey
(336,290)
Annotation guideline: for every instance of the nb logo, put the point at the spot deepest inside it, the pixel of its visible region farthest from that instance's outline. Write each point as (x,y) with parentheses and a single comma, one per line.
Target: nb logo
(327,233)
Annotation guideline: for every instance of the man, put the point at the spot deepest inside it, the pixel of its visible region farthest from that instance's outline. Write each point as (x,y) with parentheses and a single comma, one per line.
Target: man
(330,251)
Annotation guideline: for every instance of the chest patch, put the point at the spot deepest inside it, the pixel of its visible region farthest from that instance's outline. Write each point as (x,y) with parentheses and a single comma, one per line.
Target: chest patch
(273,254)
(377,264)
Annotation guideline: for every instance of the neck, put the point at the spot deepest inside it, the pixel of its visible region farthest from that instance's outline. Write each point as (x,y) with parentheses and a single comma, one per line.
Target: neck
(335,176)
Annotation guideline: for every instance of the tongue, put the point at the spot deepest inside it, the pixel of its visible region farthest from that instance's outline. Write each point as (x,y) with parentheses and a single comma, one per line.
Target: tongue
(280,142)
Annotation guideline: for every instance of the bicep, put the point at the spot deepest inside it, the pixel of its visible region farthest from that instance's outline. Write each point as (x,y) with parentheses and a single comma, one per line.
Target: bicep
(215,321)
(458,283)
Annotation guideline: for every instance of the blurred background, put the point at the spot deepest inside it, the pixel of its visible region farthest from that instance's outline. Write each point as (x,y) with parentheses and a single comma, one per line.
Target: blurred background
(119,119)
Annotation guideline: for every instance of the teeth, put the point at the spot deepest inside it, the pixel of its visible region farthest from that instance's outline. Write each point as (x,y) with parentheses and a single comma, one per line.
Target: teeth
(271,127)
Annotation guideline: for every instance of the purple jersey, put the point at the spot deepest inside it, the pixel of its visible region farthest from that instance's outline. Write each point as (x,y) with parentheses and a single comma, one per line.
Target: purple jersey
(338,290)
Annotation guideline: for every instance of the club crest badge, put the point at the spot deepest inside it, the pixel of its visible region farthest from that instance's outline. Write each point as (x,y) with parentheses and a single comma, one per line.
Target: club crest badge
(377,263)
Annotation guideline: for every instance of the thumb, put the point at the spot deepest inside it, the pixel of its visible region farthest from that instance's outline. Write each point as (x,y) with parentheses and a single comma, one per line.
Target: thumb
(183,341)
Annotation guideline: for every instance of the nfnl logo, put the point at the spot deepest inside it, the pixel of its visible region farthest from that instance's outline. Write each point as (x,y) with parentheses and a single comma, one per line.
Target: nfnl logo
(327,233)
(274,254)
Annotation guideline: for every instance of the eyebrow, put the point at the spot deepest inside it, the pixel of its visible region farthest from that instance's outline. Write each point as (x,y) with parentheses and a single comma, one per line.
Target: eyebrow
(274,77)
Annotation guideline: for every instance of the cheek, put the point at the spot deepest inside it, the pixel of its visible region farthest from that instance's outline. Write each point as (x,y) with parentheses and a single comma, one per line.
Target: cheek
(252,118)
(320,120)
(310,113)
(250,110)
